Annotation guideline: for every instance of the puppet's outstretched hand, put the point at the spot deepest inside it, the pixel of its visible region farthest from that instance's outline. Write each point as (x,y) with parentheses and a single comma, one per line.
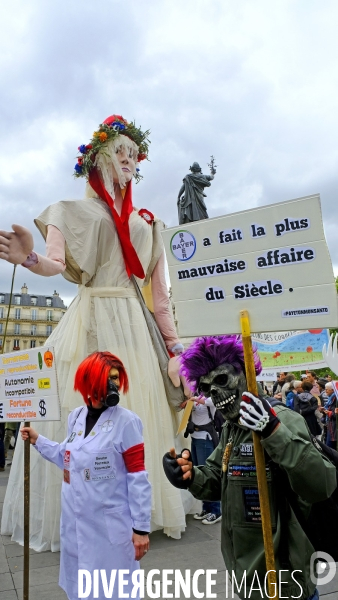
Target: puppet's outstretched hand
(16,245)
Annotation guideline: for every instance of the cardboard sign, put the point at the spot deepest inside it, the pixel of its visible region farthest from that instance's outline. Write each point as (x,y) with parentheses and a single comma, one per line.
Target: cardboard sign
(28,386)
(272,261)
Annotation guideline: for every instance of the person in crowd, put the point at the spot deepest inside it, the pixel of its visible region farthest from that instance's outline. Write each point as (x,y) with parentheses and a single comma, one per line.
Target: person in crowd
(308,406)
(286,385)
(322,391)
(263,389)
(292,398)
(277,386)
(204,440)
(106,495)
(328,377)
(104,244)
(217,364)
(330,410)
(323,397)
(311,376)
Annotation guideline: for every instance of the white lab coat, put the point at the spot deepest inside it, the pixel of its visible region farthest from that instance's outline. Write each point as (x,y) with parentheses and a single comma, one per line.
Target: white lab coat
(102,501)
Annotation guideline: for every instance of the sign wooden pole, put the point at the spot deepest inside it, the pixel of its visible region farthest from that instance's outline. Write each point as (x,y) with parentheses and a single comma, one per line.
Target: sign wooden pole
(187,412)
(259,460)
(26,517)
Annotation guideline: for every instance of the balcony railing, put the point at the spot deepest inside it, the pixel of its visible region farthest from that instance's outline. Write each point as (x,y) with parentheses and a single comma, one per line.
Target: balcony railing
(27,332)
(29,319)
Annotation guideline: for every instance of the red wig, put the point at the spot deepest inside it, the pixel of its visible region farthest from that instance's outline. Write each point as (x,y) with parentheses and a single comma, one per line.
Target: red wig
(92,375)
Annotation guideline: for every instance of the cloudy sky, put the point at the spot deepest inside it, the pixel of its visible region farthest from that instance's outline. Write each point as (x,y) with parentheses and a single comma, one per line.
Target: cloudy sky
(252,82)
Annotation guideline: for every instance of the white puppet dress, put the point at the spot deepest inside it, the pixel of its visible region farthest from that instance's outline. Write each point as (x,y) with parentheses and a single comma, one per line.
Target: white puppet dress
(105,315)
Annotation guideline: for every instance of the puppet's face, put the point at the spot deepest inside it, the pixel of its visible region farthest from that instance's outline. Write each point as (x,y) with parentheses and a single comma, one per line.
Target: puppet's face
(225,387)
(124,161)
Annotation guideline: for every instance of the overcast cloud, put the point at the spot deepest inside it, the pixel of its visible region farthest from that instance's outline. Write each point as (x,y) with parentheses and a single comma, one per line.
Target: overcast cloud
(254,83)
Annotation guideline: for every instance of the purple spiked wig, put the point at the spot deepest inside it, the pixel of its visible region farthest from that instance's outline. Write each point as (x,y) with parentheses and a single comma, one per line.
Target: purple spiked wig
(209,352)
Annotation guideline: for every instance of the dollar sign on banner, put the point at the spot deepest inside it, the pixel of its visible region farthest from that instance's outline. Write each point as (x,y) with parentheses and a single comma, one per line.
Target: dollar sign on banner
(42,409)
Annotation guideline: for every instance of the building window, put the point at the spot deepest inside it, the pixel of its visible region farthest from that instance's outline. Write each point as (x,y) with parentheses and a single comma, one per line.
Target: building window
(48,302)
(2,299)
(1,331)
(49,315)
(33,329)
(33,343)
(34,314)
(34,300)
(1,342)
(1,313)
(17,299)
(17,313)
(49,329)
(16,329)
(16,344)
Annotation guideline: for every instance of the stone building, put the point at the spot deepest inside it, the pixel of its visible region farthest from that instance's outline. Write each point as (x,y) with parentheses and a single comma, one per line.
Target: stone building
(32,319)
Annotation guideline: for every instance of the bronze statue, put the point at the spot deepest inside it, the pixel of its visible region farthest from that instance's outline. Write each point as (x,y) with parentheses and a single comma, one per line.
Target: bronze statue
(190,203)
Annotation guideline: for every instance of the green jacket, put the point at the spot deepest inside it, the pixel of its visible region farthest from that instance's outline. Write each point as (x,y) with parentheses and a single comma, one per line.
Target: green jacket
(311,477)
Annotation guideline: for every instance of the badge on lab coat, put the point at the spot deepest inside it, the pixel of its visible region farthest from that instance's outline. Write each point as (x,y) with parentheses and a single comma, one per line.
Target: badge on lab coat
(102,465)
(66,458)
(107,426)
(71,437)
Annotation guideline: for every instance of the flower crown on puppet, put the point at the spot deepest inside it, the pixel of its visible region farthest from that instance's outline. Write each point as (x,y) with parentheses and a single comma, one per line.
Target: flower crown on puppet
(209,352)
(105,142)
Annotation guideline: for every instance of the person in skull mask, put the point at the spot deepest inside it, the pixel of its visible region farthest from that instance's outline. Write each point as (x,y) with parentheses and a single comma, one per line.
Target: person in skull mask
(106,495)
(214,366)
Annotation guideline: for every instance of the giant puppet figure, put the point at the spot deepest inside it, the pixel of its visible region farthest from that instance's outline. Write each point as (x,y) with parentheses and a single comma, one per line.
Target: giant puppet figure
(214,366)
(99,243)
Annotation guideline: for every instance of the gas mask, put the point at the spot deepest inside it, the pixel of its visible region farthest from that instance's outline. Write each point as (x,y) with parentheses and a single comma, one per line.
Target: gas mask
(113,395)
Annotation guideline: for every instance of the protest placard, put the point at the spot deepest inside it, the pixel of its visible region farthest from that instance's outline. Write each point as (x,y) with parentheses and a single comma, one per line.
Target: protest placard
(272,261)
(28,386)
(291,350)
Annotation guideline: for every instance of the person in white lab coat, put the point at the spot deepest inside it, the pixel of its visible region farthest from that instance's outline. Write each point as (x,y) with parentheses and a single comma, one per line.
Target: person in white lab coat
(106,495)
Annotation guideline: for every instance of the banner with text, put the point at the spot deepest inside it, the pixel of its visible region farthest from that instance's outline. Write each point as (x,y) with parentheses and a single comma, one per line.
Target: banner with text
(28,386)
(272,261)
(291,350)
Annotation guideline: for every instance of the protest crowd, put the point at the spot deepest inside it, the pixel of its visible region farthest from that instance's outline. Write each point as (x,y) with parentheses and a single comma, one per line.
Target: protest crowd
(313,397)
(117,465)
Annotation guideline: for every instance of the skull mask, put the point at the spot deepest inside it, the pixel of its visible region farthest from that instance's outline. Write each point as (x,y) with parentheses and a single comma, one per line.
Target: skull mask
(225,387)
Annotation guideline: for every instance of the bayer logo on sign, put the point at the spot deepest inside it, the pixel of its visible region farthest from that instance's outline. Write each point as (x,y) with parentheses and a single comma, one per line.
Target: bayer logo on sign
(183,245)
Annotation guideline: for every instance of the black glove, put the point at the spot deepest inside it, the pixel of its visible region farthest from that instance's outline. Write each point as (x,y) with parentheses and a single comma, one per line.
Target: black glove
(257,414)
(174,472)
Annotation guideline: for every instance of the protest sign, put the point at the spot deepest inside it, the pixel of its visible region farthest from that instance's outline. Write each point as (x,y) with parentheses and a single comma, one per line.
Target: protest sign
(272,261)
(291,350)
(28,386)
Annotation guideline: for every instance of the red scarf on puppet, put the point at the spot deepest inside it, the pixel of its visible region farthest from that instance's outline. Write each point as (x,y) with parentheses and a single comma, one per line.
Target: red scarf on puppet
(132,261)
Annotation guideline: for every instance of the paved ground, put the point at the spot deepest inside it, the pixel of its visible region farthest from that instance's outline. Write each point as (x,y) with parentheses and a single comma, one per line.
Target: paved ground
(199,548)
